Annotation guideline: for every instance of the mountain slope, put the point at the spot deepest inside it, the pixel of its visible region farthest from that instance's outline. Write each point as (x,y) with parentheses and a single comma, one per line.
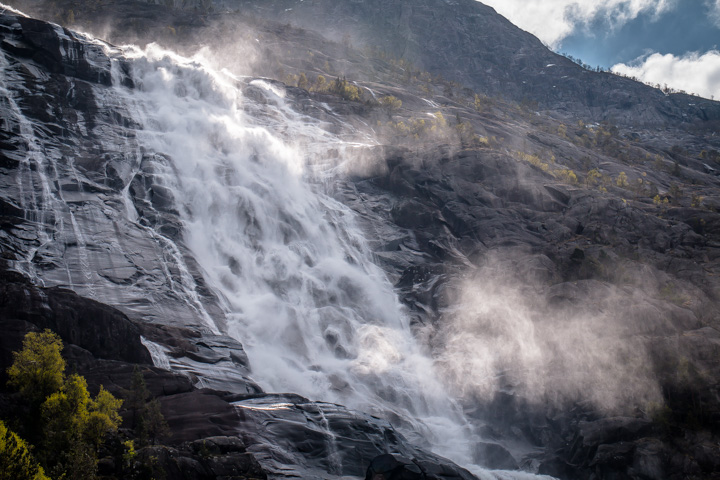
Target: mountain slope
(562,275)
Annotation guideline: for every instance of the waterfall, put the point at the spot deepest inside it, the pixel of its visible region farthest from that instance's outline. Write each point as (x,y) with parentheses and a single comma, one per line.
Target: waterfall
(296,279)
(248,179)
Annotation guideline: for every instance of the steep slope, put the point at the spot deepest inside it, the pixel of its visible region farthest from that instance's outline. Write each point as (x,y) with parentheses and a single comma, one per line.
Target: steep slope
(464,41)
(561,275)
(469,43)
(138,228)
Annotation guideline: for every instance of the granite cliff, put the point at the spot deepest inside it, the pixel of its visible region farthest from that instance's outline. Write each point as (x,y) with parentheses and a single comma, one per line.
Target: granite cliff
(414,210)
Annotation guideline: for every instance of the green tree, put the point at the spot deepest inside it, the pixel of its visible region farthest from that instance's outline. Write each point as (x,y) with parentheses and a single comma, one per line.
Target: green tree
(320,84)
(154,426)
(103,417)
(75,427)
(38,369)
(345,90)
(593,177)
(137,398)
(68,425)
(481,103)
(148,420)
(16,461)
(303,81)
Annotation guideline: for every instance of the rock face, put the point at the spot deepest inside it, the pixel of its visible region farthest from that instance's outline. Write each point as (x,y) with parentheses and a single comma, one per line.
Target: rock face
(489,54)
(67,187)
(561,274)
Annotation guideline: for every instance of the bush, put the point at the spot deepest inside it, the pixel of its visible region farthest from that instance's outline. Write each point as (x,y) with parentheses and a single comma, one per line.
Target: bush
(566,175)
(345,90)
(622,180)
(390,103)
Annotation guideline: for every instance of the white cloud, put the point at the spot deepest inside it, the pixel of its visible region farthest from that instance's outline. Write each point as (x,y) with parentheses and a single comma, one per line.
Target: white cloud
(692,72)
(714,8)
(553,20)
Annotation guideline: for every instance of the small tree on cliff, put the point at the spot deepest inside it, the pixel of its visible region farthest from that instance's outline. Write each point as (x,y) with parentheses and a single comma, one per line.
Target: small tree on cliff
(38,370)
(68,425)
(148,421)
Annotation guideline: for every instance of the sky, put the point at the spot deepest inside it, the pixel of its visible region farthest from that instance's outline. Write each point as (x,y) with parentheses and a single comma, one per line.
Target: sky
(666,42)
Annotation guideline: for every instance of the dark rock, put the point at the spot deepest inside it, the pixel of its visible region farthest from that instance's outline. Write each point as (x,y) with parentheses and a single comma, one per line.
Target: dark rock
(292,436)
(613,429)
(47,52)
(198,414)
(100,329)
(494,456)
(393,467)
(648,461)
(218,445)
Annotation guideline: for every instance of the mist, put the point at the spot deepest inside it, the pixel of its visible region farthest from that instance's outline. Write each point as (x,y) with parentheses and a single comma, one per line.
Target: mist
(574,342)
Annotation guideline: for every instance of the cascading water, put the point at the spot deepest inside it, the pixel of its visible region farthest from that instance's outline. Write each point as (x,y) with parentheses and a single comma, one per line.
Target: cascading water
(300,291)
(293,275)
(297,282)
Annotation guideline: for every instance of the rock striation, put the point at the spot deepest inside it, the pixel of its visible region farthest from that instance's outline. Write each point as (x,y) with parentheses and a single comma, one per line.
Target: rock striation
(583,256)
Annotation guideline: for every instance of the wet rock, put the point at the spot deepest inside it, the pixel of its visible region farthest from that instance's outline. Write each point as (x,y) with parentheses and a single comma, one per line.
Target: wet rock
(100,329)
(291,436)
(393,467)
(494,456)
(180,462)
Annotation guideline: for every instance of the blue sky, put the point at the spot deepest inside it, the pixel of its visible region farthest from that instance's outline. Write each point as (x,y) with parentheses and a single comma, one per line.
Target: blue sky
(666,42)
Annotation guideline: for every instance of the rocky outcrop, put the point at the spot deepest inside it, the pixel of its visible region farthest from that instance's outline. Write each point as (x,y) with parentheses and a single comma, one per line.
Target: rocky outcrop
(631,260)
(98,329)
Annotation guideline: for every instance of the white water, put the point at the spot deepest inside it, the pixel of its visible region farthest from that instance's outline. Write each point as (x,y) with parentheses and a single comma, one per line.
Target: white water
(296,280)
(300,291)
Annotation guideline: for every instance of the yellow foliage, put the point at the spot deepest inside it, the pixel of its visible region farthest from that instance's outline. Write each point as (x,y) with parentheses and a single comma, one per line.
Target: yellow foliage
(38,369)
(482,141)
(302,81)
(622,180)
(320,84)
(534,160)
(593,177)
(482,103)
(566,175)
(562,130)
(16,461)
(439,121)
(390,102)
